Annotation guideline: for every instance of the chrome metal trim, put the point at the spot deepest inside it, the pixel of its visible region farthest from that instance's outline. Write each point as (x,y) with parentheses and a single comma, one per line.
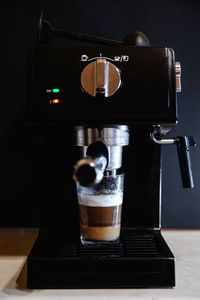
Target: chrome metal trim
(163,141)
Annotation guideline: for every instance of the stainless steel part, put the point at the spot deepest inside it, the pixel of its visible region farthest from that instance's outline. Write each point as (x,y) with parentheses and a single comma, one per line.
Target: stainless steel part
(100,76)
(178,76)
(114,157)
(113,136)
(163,141)
(98,165)
(84,136)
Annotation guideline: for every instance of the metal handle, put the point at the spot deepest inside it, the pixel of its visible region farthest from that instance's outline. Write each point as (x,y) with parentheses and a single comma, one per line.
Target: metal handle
(46,31)
(90,169)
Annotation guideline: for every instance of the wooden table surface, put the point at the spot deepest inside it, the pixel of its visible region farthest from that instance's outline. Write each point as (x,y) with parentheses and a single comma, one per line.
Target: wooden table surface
(15,244)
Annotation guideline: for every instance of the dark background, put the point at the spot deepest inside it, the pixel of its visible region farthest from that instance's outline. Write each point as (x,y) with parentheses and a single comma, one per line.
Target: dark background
(171,23)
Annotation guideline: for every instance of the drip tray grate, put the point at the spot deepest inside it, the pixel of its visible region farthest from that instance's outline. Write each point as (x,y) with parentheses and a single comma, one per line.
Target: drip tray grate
(130,245)
(102,251)
(139,259)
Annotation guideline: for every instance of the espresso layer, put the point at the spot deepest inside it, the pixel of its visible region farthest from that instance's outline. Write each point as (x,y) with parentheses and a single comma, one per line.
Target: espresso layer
(100,216)
(95,233)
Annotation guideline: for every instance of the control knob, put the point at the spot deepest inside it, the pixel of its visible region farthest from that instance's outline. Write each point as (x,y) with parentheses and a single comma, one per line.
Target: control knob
(100,77)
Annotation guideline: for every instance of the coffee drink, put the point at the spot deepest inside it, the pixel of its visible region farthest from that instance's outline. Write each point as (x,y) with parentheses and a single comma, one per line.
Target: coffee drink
(100,216)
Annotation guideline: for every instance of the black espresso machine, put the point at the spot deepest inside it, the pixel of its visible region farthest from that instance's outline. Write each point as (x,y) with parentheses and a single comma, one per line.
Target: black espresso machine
(123,93)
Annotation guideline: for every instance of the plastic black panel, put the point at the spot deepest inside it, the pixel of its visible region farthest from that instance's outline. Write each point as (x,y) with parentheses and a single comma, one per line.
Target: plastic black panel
(147,93)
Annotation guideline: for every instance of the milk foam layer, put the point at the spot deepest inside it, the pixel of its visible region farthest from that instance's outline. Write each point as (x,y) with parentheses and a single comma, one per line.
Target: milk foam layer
(100,200)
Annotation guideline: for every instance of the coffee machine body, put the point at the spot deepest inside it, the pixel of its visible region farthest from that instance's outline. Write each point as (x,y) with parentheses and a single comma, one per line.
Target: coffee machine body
(58,100)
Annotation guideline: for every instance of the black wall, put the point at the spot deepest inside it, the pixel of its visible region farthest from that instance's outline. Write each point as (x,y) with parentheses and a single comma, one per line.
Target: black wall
(172,23)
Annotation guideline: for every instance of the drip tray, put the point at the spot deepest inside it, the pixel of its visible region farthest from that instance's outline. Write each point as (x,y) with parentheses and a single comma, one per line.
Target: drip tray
(140,259)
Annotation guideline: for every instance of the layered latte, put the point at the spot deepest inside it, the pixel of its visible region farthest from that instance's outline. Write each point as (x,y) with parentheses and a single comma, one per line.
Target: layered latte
(100,216)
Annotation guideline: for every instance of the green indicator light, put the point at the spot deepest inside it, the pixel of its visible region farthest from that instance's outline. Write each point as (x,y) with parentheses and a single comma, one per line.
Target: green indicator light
(55,90)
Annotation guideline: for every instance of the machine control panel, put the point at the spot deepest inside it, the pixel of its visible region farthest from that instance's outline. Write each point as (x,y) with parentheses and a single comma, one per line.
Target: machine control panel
(123,84)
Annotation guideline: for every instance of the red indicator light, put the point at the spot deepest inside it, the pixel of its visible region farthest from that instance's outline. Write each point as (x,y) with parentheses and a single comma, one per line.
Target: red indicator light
(55,101)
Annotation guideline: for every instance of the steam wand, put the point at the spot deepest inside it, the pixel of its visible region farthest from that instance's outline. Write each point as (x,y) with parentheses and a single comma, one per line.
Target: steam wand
(183,147)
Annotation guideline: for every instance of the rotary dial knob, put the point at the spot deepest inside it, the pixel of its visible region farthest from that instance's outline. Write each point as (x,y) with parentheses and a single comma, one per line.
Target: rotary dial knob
(178,76)
(100,77)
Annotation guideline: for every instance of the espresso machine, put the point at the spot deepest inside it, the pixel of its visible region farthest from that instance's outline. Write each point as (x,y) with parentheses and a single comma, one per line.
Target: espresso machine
(92,111)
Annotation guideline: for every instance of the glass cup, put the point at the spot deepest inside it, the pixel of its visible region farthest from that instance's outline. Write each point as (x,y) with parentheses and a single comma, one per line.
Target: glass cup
(100,210)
